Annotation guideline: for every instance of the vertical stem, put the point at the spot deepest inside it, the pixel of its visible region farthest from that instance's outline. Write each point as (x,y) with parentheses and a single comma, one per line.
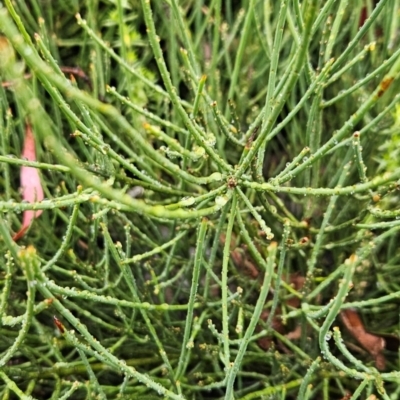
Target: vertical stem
(28,261)
(327,215)
(240,52)
(324,336)
(193,129)
(307,377)
(269,104)
(279,272)
(224,282)
(198,260)
(290,81)
(268,273)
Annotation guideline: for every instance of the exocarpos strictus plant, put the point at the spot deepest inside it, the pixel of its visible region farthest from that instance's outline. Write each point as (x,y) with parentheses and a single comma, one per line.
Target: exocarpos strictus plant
(199,199)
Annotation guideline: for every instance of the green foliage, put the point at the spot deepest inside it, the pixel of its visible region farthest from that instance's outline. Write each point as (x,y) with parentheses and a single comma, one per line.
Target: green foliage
(221,183)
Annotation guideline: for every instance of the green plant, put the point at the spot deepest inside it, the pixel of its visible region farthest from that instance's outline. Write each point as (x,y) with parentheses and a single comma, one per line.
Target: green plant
(221,184)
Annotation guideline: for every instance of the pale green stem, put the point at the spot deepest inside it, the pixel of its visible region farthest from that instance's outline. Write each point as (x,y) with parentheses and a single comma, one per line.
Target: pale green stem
(224,282)
(198,260)
(265,287)
(194,130)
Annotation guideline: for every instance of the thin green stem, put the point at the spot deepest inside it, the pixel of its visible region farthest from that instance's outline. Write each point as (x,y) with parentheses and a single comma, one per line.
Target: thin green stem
(307,377)
(244,38)
(359,159)
(352,121)
(5,293)
(356,39)
(362,82)
(67,236)
(269,101)
(327,216)
(13,387)
(198,260)
(224,282)
(344,288)
(335,28)
(194,130)
(338,191)
(131,283)
(28,262)
(343,349)
(284,93)
(279,273)
(265,287)
(92,376)
(266,229)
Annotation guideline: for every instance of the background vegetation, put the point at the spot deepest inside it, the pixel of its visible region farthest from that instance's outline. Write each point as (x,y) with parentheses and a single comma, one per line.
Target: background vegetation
(221,187)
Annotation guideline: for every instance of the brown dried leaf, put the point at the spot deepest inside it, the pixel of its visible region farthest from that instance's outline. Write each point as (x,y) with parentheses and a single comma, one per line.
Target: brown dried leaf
(373,344)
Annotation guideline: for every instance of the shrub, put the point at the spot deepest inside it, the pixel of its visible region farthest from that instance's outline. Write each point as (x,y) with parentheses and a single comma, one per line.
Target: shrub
(220,187)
